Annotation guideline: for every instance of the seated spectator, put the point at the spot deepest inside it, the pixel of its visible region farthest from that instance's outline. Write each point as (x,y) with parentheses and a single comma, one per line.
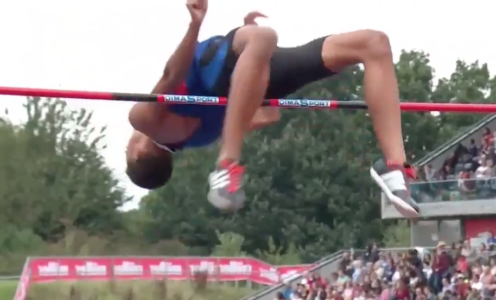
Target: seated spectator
(447,286)
(288,291)
(467,251)
(461,286)
(488,283)
(462,264)
(372,253)
(389,270)
(483,171)
(334,279)
(465,182)
(492,265)
(386,290)
(475,282)
(427,269)
(357,270)
(419,294)
(487,137)
(307,279)
(401,290)
(345,263)
(348,291)
(429,293)
(491,241)
(449,171)
(481,251)
(321,293)
(430,173)
(442,175)
(318,280)
(379,268)
(473,149)
(343,277)
(400,272)
(279,296)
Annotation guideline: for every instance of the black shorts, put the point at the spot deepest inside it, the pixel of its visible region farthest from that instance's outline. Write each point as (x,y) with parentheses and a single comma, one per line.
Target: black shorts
(290,68)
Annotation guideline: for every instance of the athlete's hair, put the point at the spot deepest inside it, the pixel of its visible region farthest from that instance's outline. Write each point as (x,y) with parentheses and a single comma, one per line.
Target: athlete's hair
(152,171)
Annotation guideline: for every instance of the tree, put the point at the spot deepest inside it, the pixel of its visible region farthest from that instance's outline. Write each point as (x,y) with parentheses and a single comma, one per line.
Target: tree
(308,182)
(52,172)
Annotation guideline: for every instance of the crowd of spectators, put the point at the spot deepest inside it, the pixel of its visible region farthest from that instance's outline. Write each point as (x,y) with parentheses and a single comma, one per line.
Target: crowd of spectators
(475,160)
(458,272)
(466,173)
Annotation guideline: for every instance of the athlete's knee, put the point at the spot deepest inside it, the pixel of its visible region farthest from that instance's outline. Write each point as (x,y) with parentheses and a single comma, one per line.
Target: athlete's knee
(377,45)
(355,47)
(264,35)
(262,40)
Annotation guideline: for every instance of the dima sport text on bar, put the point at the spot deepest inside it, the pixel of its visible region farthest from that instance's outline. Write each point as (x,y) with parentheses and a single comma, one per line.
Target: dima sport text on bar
(222,101)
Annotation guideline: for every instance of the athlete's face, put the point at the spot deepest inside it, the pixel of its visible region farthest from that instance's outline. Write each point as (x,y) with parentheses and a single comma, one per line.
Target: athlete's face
(141,146)
(148,166)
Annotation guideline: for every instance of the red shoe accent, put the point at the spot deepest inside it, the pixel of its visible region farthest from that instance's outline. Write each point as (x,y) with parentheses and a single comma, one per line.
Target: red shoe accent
(403,166)
(410,172)
(235,174)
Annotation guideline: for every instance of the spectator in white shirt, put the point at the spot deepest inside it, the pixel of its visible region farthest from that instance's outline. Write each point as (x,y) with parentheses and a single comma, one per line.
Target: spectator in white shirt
(483,171)
(430,172)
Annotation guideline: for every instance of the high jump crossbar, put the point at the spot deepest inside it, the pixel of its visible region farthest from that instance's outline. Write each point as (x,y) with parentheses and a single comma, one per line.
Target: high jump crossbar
(222,101)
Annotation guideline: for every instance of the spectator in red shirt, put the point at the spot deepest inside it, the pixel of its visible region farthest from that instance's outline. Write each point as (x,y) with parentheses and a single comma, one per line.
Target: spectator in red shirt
(419,295)
(461,287)
(487,137)
(401,291)
(441,267)
(462,264)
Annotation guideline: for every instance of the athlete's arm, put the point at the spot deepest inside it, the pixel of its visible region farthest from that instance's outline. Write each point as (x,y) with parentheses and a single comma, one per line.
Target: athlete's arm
(177,67)
(145,117)
(264,117)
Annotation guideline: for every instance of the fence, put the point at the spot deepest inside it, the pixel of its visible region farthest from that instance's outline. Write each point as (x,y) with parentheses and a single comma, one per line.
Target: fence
(224,269)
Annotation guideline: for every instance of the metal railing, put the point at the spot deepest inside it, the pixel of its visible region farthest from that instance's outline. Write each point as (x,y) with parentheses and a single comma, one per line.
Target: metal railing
(463,134)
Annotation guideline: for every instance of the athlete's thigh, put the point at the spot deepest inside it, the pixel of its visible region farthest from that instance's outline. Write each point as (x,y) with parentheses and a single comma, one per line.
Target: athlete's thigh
(350,48)
(294,67)
(222,55)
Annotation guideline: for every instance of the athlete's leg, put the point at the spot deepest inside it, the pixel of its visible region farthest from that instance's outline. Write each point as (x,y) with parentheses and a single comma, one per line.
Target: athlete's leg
(249,81)
(254,45)
(372,48)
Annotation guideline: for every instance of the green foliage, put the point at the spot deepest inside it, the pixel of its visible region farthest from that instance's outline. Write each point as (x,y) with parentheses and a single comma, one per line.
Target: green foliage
(230,244)
(279,256)
(51,169)
(397,236)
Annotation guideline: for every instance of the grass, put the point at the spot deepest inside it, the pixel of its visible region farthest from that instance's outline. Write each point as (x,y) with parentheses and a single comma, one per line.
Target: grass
(7,289)
(127,290)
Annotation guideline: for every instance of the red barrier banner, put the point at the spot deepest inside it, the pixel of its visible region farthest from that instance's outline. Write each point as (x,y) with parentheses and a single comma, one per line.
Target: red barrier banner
(174,268)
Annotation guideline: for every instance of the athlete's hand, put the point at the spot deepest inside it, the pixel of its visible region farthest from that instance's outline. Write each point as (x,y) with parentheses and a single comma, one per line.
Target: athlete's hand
(197,9)
(250,18)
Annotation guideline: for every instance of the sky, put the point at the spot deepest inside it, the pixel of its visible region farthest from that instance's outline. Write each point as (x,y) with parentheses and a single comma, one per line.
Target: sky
(122,46)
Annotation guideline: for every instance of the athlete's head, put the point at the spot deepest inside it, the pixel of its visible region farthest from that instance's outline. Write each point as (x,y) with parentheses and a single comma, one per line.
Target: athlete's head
(148,166)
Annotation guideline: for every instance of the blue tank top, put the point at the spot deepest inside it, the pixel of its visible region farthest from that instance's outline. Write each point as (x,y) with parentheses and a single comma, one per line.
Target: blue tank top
(199,82)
